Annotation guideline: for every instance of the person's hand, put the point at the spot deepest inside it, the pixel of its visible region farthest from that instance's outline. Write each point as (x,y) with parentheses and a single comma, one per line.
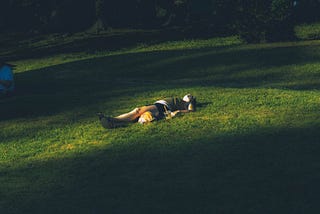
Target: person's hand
(175,113)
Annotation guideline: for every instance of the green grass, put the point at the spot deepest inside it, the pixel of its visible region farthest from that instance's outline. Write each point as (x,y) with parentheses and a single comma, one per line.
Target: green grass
(307,31)
(252,146)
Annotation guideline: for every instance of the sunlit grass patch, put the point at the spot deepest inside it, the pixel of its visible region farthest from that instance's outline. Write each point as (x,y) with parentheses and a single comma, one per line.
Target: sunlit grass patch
(308,31)
(30,64)
(191,44)
(256,127)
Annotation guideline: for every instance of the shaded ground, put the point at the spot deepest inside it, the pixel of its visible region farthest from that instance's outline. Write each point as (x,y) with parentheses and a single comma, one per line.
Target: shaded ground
(21,46)
(261,172)
(62,87)
(261,169)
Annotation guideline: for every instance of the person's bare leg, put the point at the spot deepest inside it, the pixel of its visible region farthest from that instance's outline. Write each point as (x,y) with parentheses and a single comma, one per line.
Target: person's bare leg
(128,116)
(123,119)
(137,112)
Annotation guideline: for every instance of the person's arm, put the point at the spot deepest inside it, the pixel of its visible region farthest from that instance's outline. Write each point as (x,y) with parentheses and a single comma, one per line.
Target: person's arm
(6,83)
(184,111)
(174,113)
(190,109)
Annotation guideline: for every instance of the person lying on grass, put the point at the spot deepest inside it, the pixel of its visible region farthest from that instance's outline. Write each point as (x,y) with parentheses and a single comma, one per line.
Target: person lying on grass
(161,109)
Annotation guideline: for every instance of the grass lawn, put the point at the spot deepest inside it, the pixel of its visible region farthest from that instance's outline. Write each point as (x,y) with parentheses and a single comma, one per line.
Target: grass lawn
(252,146)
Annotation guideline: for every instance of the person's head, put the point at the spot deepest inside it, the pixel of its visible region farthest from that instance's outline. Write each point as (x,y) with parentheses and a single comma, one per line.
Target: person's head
(190,101)
(188,98)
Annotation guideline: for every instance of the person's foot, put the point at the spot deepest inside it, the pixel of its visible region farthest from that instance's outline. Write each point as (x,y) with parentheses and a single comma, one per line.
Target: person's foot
(109,122)
(100,115)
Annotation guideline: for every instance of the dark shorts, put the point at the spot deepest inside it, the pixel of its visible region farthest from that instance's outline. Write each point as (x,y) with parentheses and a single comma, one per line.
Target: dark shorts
(161,109)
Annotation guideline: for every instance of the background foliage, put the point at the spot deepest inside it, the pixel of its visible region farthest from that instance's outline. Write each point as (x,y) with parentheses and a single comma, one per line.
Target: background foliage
(253,20)
(252,146)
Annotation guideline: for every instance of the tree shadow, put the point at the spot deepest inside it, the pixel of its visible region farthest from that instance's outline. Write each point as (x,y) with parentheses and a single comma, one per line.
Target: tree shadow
(269,170)
(266,171)
(92,82)
(35,46)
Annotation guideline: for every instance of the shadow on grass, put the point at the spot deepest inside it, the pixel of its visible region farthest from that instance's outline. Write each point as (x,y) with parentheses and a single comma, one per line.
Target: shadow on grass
(35,46)
(268,171)
(93,82)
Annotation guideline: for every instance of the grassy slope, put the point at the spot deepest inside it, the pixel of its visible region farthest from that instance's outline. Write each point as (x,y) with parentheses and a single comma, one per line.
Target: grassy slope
(252,146)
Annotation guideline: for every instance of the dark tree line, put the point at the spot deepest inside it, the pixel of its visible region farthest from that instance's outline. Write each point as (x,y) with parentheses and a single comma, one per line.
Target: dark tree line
(254,20)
